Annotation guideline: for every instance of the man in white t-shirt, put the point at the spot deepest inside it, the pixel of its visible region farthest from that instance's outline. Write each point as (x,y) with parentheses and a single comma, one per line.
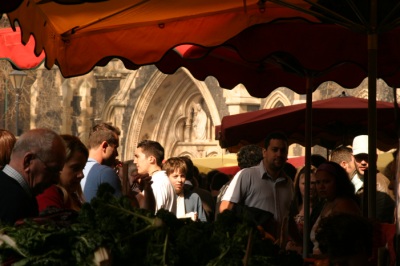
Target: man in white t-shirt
(149,156)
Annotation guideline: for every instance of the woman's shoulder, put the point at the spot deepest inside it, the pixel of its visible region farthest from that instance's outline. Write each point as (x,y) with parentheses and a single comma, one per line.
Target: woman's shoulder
(52,196)
(52,190)
(346,205)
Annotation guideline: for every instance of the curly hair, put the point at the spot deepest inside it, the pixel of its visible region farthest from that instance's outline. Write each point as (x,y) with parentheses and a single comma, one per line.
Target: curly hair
(249,155)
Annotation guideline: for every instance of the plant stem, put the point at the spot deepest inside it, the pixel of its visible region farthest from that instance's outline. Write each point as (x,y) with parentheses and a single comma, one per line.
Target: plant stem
(249,247)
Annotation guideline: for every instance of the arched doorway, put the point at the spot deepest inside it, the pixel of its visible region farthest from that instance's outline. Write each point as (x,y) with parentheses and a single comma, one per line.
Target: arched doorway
(179,112)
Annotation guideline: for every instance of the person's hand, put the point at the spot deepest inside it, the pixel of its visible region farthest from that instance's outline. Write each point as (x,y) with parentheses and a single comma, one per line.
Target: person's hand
(146,182)
(117,163)
(141,182)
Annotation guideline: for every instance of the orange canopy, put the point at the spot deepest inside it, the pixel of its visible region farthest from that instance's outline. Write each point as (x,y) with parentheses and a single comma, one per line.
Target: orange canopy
(77,37)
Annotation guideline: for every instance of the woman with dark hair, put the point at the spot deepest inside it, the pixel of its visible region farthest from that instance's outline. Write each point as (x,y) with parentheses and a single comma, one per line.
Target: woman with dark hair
(347,239)
(297,209)
(67,194)
(7,141)
(333,186)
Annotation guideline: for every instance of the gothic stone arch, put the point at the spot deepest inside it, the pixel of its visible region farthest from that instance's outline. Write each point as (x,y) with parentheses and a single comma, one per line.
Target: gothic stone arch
(276,99)
(164,113)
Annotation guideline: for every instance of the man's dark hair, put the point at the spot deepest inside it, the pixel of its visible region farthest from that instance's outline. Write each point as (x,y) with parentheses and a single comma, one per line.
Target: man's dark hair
(317,159)
(218,180)
(249,155)
(274,135)
(152,148)
(290,170)
(209,177)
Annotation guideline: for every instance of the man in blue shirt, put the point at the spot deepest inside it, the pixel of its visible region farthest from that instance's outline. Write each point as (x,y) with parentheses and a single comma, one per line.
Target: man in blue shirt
(103,145)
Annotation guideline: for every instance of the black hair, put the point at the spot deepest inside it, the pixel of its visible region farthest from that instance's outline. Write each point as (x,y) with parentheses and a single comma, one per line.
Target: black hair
(275,135)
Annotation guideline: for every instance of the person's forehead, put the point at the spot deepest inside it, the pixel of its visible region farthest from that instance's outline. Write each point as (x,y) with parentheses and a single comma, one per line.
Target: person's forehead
(323,174)
(178,171)
(139,151)
(277,143)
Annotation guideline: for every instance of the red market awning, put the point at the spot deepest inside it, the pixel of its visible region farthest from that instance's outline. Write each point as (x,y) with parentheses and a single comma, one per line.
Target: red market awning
(20,56)
(78,37)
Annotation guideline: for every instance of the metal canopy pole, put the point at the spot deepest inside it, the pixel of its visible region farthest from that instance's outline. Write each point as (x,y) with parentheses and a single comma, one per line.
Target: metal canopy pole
(372,124)
(308,127)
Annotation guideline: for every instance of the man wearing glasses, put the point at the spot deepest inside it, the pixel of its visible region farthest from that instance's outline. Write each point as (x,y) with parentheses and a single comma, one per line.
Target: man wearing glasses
(385,203)
(36,160)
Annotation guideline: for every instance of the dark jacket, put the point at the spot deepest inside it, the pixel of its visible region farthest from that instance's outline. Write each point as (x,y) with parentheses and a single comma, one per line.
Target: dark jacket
(15,203)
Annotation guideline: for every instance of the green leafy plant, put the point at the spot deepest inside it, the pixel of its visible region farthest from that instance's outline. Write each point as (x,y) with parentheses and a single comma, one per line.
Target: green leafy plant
(135,236)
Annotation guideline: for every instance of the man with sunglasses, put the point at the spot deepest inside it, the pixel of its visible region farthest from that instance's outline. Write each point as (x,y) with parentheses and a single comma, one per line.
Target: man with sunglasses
(384,196)
(36,161)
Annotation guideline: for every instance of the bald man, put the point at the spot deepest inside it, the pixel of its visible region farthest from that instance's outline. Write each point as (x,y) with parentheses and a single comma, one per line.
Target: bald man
(36,160)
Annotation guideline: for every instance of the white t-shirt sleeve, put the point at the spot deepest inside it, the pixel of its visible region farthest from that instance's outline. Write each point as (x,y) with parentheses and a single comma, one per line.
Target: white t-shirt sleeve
(164,192)
(229,192)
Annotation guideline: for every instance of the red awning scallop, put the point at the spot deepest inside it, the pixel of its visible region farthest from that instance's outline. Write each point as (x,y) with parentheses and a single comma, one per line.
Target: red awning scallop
(19,55)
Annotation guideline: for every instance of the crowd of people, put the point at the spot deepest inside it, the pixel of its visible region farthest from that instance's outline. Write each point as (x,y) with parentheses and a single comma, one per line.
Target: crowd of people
(42,170)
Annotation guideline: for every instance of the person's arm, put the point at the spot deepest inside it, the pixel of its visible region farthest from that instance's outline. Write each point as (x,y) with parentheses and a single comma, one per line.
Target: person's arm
(200,211)
(225,205)
(146,199)
(294,232)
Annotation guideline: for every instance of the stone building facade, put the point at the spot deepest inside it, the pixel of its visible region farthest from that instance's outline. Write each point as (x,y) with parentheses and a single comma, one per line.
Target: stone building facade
(176,110)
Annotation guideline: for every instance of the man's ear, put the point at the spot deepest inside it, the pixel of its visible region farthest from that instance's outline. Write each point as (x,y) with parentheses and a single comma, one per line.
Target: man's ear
(152,159)
(28,158)
(104,145)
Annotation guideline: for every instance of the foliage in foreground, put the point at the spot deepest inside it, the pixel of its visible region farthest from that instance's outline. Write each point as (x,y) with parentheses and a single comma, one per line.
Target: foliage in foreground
(137,237)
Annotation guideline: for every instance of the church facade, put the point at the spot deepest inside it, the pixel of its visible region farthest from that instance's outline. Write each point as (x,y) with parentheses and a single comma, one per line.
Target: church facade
(176,110)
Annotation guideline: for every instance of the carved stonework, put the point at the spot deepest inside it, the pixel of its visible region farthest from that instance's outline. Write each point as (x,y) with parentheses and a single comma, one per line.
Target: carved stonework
(176,110)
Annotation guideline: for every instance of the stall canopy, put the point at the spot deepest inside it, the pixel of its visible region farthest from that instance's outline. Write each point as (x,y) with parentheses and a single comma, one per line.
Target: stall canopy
(78,37)
(336,121)
(228,164)
(19,55)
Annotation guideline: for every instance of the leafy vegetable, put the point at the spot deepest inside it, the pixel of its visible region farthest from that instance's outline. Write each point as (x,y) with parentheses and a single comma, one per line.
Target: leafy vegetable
(136,237)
